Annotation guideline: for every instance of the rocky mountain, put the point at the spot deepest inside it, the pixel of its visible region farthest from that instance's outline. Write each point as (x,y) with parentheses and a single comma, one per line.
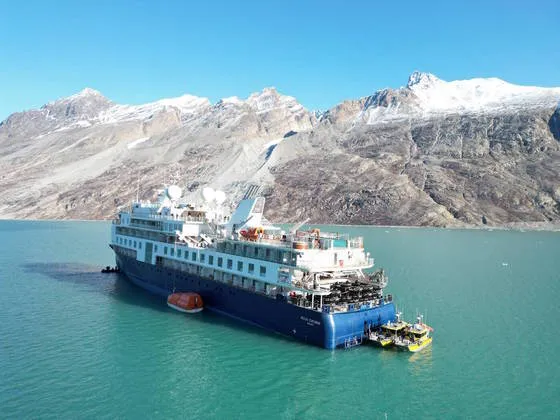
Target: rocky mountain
(468,152)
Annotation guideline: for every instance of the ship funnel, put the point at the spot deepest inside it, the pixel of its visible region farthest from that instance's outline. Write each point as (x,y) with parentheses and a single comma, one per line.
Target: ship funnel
(249,213)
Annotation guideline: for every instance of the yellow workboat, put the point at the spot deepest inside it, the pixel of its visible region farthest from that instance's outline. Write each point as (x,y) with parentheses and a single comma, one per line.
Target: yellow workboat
(416,337)
(386,335)
(380,339)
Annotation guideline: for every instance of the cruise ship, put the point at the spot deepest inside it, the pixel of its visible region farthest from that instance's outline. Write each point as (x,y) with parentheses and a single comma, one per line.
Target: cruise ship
(306,284)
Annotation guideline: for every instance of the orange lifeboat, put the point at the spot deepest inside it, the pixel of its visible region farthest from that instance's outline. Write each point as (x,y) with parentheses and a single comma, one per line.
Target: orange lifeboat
(185,302)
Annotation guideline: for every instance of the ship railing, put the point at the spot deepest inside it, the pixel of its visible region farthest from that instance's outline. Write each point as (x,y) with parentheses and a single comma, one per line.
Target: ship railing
(274,240)
(340,240)
(193,219)
(285,256)
(339,307)
(333,235)
(355,264)
(351,307)
(191,243)
(157,217)
(147,204)
(357,242)
(168,217)
(310,241)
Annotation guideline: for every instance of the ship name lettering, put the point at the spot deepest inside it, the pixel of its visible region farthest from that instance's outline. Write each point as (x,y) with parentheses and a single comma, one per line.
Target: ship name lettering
(310,322)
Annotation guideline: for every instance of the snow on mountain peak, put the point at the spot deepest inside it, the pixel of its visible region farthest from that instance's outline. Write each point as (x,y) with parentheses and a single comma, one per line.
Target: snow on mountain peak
(76,109)
(185,103)
(269,99)
(89,92)
(479,94)
(234,100)
(421,79)
(426,95)
(86,94)
(264,100)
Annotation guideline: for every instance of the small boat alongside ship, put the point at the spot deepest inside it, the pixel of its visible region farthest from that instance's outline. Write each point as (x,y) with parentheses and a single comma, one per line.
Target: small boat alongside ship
(416,338)
(190,303)
(387,334)
(310,285)
(109,269)
(402,335)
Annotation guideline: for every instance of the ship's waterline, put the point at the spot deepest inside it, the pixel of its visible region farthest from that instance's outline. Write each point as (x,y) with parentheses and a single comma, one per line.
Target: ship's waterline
(76,343)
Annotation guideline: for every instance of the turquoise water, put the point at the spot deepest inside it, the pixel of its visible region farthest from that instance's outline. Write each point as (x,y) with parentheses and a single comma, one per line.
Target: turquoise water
(75,343)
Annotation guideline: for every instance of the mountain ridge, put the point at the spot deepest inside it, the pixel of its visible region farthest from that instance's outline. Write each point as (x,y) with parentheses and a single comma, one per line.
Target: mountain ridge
(428,153)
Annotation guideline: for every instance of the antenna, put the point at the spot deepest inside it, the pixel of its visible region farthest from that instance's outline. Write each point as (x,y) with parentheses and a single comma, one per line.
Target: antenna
(137,187)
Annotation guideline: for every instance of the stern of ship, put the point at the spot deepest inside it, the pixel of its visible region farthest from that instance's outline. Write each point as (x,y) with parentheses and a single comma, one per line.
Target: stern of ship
(344,328)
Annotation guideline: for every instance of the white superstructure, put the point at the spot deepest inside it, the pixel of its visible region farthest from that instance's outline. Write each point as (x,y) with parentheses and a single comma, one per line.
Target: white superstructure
(307,267)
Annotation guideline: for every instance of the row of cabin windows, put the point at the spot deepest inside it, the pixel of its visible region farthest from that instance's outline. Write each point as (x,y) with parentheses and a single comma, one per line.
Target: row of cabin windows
(130,242)
(253,251)
(171,227)
(151,223)
(251,266)
(246,249)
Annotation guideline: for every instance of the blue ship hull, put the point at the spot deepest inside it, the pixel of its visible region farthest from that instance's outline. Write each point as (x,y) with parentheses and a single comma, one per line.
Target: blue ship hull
(328,330)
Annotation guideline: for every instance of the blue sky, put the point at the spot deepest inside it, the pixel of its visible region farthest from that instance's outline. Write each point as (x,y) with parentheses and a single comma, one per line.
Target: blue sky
(319,52)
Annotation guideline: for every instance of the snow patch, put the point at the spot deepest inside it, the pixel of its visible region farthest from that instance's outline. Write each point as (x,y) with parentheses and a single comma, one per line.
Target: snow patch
(186,104)
(478,95)
(87,93)
(82,123)
(269,99)
(77,124)
(73,145)
(420,78)
(272,143)
(234,100)
(135,143)
(84,93)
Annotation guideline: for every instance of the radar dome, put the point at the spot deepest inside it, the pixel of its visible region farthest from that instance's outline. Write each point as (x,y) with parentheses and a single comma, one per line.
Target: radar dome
(174,192)
(220,197)
(208,194)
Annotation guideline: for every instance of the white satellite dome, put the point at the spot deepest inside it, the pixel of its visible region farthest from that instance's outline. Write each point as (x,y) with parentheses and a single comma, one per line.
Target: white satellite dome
(174,192)
(208,194)
(220,197)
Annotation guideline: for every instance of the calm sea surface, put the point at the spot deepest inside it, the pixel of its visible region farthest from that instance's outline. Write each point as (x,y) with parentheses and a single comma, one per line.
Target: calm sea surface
(75,343)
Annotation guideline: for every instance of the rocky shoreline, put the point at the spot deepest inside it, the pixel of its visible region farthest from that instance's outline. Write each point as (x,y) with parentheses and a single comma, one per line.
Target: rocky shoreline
(523,226)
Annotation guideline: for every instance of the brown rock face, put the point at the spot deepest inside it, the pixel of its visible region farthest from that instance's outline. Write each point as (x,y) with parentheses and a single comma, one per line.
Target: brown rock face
(391,158)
